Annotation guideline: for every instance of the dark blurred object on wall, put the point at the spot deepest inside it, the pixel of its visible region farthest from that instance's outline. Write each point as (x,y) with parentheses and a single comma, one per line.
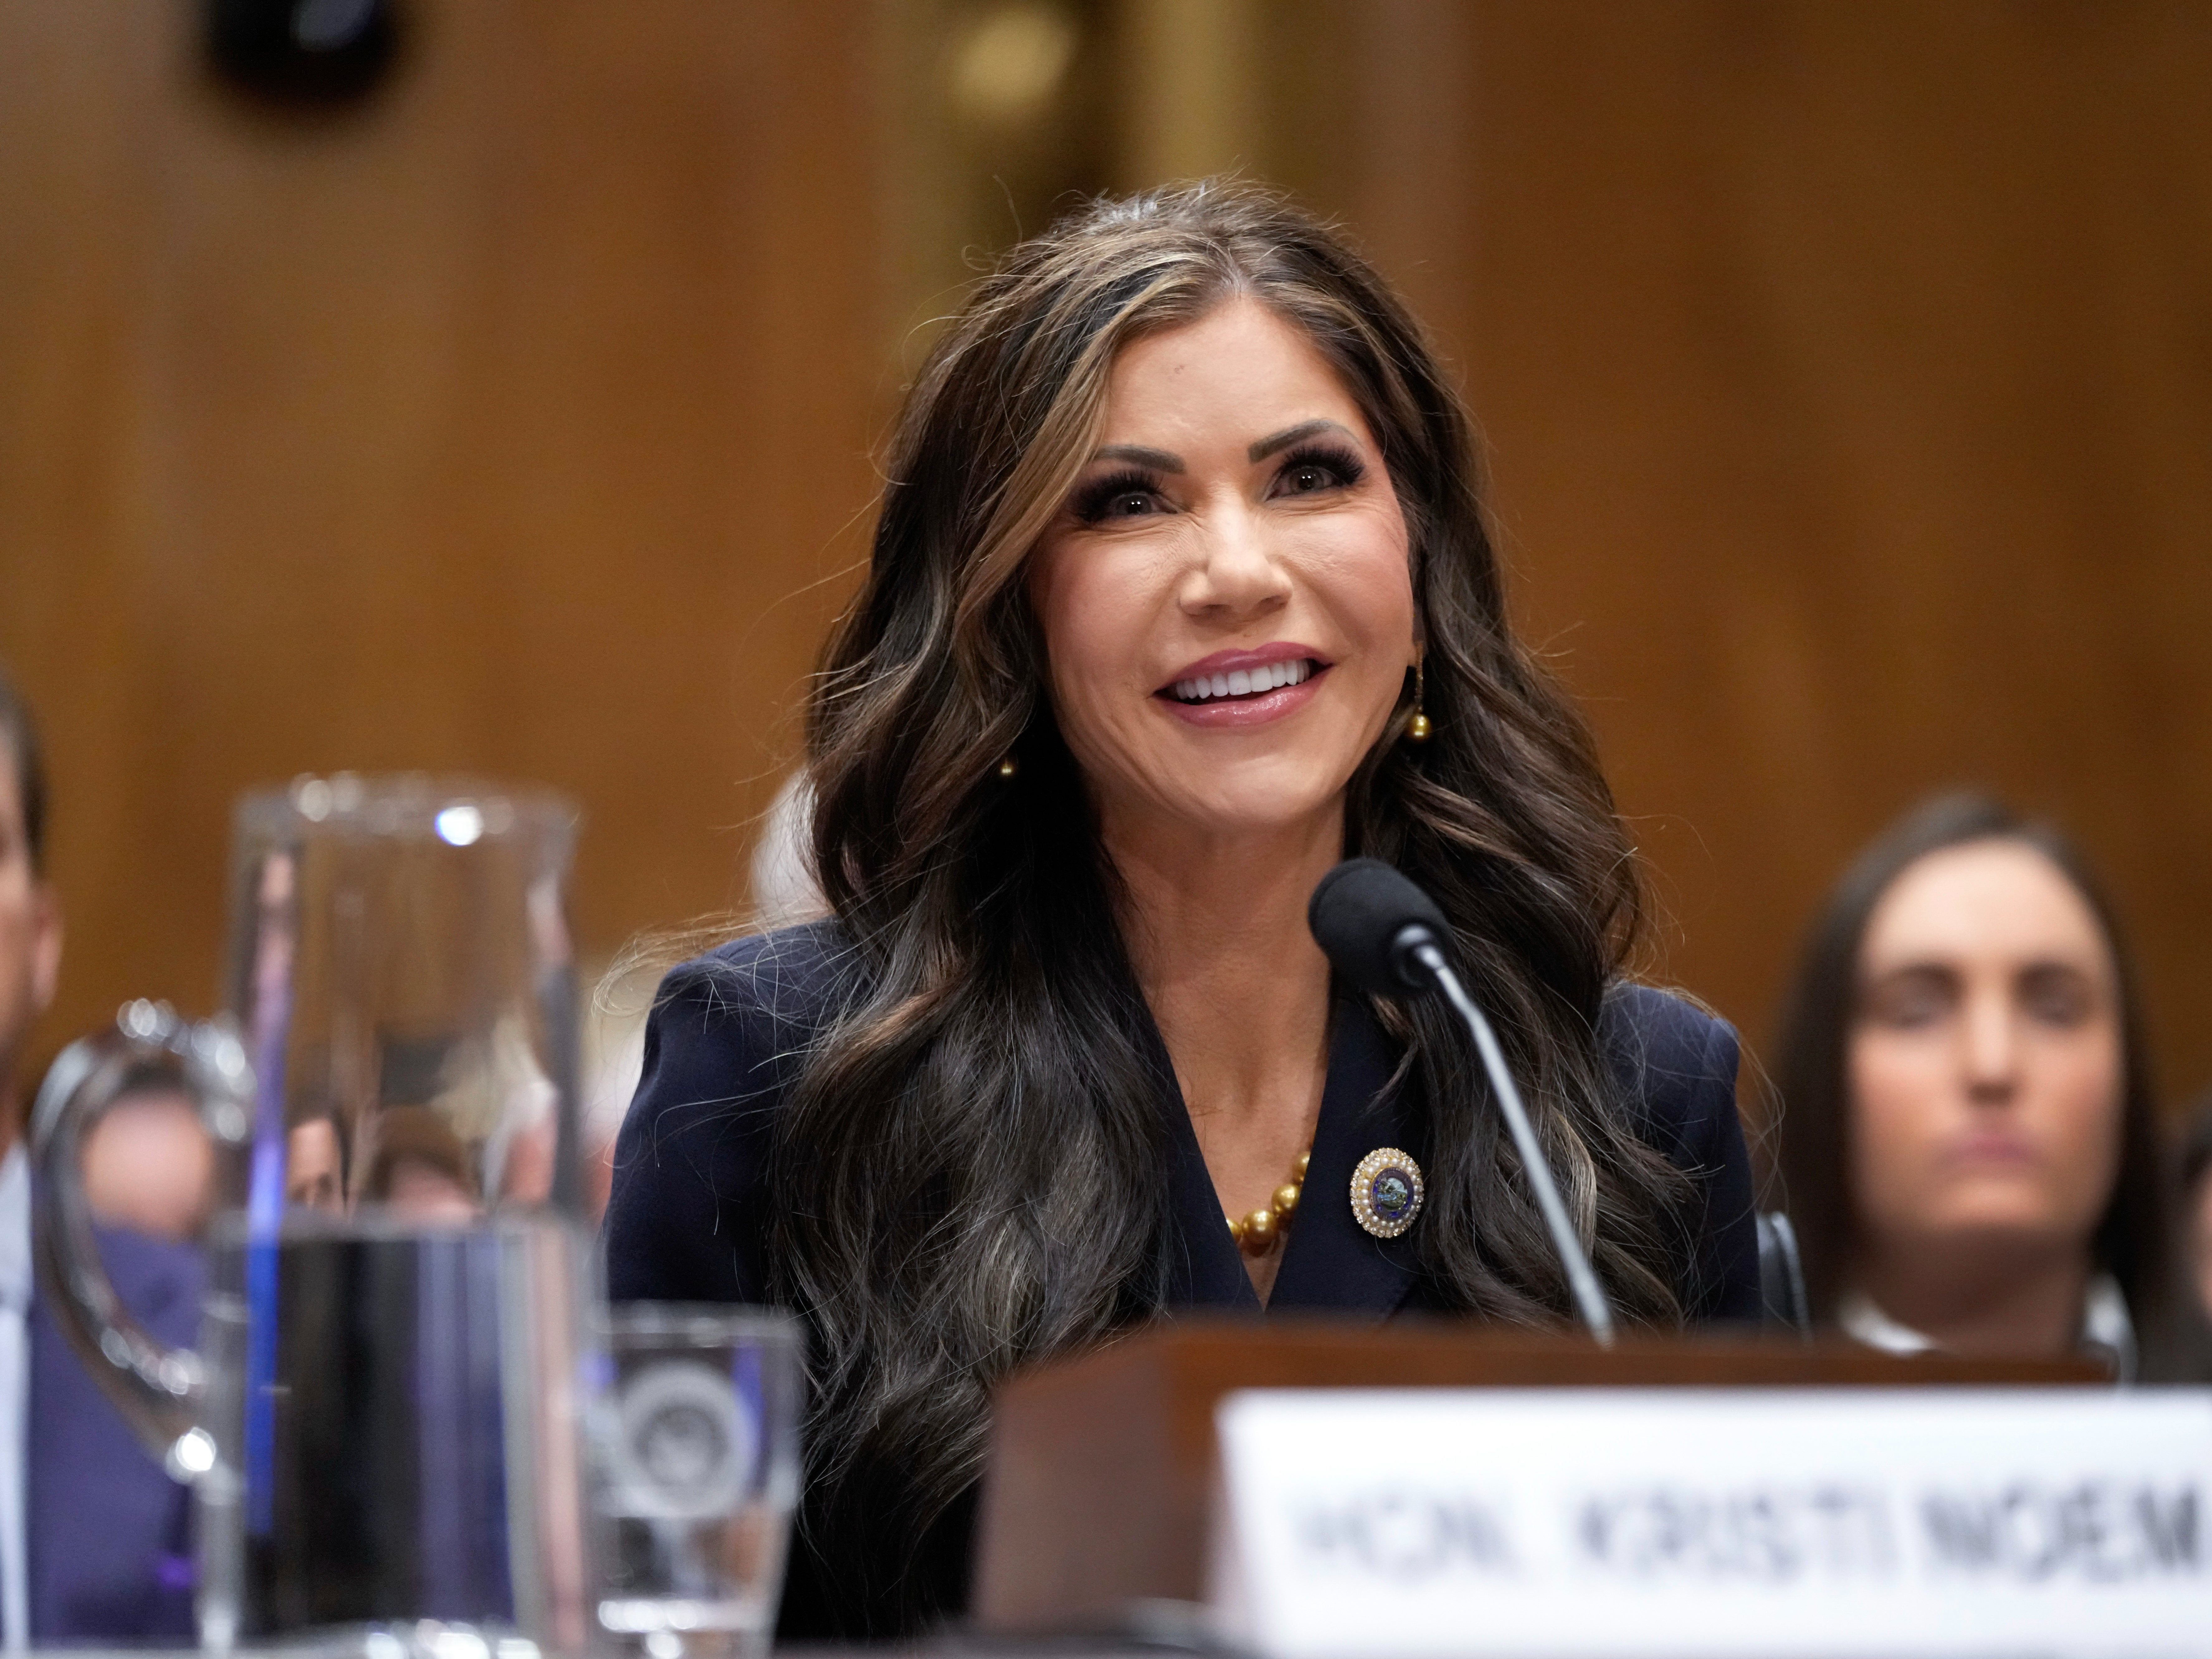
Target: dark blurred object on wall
(303,53)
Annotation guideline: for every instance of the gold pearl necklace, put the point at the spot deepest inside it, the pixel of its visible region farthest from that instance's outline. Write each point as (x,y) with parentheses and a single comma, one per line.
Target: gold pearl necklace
(1255,1235)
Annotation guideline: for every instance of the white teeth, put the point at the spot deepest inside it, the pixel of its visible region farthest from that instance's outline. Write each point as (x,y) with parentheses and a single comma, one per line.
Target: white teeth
(1243,681)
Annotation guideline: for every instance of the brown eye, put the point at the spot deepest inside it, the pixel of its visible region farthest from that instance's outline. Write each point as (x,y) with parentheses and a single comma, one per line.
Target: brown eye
(1310,470)
(1911,1000)
(1119,496)
(2057,997)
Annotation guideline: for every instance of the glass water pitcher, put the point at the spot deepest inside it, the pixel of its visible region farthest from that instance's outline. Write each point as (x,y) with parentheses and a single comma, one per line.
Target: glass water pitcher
(380,1420)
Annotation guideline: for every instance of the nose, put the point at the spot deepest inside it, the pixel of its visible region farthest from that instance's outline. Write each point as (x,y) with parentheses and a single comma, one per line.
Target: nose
(1992,1049)
(1234,572)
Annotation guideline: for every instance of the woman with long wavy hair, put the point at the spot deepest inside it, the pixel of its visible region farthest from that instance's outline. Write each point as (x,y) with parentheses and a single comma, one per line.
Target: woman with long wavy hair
(1180,593)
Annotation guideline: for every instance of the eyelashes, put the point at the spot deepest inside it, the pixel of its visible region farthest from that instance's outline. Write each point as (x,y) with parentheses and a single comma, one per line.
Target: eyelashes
(1344,469)
(1095,500)
(1338,468)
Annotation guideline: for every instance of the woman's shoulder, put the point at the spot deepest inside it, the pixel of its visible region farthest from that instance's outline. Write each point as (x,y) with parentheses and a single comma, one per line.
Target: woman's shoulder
(788,978)
(727,1035)
(727,1029)
(1674,1063)
(1657,1034)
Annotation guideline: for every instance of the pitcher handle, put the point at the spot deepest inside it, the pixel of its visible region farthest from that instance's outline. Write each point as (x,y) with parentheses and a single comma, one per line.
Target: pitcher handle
(158,1390)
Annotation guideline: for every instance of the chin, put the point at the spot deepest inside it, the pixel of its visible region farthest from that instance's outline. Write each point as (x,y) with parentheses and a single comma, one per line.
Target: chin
(1255,801)
(2005,1228)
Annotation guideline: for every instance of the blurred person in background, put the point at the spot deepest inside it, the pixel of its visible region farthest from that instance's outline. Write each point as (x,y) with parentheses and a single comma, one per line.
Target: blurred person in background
(1967,1137)
(420,1169)
(149,1164)
(2196,1207)
(95,1540)
(784,890)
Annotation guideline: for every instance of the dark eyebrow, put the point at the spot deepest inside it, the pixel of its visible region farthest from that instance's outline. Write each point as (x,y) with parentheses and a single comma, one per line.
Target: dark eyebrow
(1159,460)
(1290,434)
(1943,971)
(2049,968)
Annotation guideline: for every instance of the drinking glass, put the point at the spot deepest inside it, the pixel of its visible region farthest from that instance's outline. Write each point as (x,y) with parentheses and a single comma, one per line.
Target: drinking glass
(695,1434)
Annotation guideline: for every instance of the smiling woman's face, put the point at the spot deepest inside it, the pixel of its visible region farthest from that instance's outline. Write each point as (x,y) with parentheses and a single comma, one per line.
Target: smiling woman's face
(1226,596)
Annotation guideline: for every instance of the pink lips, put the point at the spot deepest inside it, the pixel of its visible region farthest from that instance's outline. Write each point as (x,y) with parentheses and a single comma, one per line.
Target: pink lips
(1992,1150)
(1235,712)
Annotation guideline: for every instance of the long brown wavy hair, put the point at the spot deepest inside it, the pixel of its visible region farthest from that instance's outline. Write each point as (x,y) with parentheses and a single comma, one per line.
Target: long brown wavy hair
(979,1129)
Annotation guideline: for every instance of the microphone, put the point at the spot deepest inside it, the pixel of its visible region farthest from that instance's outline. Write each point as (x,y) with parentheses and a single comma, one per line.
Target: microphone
(1386,937)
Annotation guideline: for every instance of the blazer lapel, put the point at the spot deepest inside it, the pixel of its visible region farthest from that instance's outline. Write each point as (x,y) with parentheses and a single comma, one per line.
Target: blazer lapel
(1204,1267)
(1330,1261)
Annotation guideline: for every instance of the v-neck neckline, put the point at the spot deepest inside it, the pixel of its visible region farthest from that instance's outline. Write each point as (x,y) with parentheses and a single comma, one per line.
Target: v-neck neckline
(1329,1262)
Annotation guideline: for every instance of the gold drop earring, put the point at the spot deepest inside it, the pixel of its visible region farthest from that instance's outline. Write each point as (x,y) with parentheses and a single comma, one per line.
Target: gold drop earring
(1007,768)
(1418,728)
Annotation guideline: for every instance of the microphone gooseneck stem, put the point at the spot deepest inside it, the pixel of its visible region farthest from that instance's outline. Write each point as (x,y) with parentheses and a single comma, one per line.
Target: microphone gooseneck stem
(1589,1295)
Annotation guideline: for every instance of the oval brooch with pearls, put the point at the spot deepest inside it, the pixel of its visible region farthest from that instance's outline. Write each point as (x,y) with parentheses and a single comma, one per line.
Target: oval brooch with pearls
(1387,1191)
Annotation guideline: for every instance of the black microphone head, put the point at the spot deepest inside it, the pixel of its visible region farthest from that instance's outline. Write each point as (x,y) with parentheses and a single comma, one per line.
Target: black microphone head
(1358,916)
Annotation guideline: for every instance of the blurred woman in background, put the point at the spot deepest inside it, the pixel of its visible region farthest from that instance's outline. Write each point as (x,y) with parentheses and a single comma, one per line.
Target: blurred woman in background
(1968,1139)
(2197,1208)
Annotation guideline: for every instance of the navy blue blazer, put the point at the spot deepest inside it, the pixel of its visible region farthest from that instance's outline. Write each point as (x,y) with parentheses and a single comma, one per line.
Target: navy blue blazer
(730,1031)
(109,1535)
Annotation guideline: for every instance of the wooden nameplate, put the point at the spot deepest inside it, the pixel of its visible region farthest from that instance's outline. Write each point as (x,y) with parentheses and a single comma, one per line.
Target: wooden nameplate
(1102,1466)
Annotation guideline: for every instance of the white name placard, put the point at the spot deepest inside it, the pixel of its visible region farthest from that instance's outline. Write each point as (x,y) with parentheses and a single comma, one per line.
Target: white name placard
(1421,1523)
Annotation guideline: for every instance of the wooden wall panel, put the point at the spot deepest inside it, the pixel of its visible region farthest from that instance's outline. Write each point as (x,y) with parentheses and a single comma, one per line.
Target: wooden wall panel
(514,423)
(1847,373)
